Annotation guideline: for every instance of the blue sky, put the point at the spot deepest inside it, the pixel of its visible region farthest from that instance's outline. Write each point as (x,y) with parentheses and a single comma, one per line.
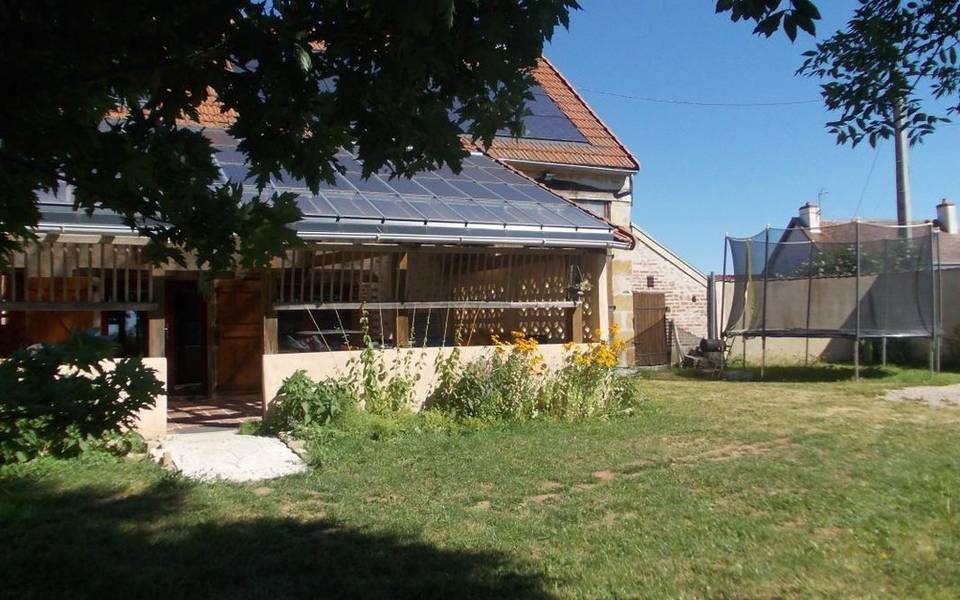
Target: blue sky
(706,171)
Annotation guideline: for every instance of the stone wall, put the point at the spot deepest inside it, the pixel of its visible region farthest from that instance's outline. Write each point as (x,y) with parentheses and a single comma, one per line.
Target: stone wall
(655,269)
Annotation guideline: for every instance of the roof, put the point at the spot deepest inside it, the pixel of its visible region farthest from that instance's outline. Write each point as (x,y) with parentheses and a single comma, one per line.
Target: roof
(643,237)
(601,148)
(836,231)
(486,203)
(584,139)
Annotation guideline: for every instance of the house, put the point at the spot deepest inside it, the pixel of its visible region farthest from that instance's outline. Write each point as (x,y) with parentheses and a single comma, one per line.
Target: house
(533,235)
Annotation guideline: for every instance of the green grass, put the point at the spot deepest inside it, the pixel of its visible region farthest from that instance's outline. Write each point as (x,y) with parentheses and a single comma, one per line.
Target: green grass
(714,489)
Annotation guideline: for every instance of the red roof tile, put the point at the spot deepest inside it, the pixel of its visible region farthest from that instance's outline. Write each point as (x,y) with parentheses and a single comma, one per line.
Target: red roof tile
(602,149)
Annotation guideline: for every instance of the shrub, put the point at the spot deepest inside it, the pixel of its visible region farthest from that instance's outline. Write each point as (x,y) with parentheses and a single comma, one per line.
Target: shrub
(60,400)
(305,403)
(503,386)
(584,385)
(384,389)
(466,391)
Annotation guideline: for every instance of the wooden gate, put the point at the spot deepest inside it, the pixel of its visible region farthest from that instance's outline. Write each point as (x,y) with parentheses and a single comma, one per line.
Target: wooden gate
(240,336)
(650,321)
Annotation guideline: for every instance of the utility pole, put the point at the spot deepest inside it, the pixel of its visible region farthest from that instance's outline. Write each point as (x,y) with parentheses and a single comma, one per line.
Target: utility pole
(903,168)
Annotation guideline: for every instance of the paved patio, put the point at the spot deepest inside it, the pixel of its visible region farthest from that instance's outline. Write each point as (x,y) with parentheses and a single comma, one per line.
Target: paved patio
(215,411)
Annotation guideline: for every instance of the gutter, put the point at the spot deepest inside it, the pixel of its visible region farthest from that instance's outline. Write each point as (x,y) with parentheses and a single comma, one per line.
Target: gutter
(568,166)
(460,240)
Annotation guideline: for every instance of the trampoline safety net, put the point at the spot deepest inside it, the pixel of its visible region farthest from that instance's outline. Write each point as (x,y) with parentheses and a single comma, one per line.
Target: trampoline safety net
(855,280)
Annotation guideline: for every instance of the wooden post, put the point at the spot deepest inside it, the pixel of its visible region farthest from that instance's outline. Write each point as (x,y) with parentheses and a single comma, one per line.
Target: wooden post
(156,323)
(271,342)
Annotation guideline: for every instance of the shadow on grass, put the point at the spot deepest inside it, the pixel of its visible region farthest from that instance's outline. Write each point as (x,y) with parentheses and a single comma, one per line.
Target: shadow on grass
(794,373)
(96,543)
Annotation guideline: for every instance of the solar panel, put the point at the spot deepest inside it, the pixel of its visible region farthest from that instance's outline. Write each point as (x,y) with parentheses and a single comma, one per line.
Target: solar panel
(392,207)
(402,185)
(352,205)
(309,208)
(542,104)
(439,187)
(508,213)
(370,184)
(436,210)
(539,194)
(484,193)
(473,212)
(474,190)
(486,200)
(60,196)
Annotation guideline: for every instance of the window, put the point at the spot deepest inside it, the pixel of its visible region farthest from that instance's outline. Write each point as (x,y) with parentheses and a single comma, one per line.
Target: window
(651,282)
(128,329)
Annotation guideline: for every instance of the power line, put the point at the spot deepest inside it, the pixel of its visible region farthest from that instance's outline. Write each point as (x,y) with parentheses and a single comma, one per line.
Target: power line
(866,184)
(697,102)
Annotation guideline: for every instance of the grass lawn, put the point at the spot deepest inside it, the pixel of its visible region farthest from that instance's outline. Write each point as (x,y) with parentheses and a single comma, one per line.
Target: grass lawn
(715,489)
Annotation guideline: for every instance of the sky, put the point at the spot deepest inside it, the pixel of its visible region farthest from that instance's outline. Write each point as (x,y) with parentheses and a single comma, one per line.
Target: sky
(710,171)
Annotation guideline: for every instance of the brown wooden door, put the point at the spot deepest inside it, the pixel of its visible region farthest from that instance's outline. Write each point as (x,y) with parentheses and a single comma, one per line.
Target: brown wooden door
(239,336)
(650,322)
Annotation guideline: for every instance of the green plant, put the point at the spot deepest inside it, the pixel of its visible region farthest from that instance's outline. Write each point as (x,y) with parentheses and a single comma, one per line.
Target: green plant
(384,389)
(584,385)
(252,428)
(305,403)
(505,385)
(62,399)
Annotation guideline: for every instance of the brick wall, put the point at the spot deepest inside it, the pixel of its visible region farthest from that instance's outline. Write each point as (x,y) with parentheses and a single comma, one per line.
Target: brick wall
(685,295)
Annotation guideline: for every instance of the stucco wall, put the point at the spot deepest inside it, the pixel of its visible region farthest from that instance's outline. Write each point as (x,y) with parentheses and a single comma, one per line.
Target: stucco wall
(151,423)
(319,365)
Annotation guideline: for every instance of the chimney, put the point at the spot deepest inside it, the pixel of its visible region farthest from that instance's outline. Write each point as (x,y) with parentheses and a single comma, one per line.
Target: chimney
(810,216)
(947,216)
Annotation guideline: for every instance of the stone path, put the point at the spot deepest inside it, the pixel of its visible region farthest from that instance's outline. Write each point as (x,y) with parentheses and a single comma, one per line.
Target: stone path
(230,456)
(938,396)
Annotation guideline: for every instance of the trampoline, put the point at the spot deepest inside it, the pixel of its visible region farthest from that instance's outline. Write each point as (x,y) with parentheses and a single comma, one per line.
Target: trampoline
(852,281)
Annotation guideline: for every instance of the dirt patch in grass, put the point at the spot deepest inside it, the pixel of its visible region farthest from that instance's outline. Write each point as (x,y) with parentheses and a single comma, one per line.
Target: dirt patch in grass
(542,498)
(734,451)
(946,396)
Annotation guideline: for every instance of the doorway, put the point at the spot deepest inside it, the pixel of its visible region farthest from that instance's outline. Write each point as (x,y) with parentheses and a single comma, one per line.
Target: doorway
(650,324)
(239,336)
(186,339)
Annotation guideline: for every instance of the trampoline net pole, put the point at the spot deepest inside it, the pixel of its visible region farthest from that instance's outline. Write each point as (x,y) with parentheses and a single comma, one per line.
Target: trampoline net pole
(723,295)
(766,268)
(856,345)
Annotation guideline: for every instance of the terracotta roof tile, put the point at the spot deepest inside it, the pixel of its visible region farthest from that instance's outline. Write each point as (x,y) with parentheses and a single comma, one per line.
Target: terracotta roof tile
(602,148)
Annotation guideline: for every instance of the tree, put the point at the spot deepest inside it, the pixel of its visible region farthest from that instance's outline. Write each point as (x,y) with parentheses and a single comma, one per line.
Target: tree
(399,69)
(891,53)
